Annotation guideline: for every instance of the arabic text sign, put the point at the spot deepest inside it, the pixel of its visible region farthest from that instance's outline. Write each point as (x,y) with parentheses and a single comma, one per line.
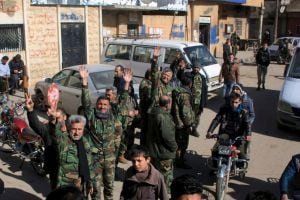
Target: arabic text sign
(134,4)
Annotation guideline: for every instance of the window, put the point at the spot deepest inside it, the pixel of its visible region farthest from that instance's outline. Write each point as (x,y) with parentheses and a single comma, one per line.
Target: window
(200,54)
(102,79)
(118,51)
(61,77)
(298,29)
(11,37)
(295,66)
(239,27)
(170,55)
(143,54)
(74,81)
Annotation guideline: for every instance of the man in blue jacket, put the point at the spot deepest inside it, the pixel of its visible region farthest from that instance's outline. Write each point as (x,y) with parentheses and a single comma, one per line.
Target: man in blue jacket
(290,178)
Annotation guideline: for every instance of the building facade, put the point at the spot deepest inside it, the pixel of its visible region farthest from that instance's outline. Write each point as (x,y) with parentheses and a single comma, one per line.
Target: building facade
(53,34)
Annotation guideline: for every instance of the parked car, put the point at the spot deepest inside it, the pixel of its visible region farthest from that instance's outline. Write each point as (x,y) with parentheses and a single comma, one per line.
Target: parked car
(275,54)
(137,54)
(288,110)
(68,80)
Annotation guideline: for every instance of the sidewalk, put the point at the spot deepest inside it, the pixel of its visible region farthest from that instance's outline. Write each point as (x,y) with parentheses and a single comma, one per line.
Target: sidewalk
(246,58)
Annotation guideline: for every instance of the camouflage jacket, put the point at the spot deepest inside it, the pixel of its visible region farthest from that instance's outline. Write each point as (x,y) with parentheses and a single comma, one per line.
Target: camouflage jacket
(197,89)
(120,109)
(158,88)
(104,132)
(68,157)
(126,103)
(182,111)
(145,95)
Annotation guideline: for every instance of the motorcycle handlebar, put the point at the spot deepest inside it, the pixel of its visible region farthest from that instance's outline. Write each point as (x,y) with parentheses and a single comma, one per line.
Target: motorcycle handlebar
(217,136)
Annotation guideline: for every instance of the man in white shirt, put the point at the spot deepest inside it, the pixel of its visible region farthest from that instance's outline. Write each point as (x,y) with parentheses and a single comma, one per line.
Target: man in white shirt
(4,74)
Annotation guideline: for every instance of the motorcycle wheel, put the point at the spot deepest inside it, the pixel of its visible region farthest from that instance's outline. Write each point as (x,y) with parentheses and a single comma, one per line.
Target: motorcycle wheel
(37,162)
(220,190)
(7,142)
(221,185)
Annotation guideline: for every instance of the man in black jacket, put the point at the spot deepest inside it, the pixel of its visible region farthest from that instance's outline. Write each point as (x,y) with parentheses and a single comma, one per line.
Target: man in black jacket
(263,61)
(233,121)
(44,130)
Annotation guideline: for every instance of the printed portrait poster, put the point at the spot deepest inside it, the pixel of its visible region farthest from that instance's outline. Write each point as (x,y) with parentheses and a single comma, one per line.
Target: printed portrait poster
(53,96)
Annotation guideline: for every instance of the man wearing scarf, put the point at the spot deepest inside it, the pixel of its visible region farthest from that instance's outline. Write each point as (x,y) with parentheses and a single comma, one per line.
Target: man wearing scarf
(233,120)
(105,131)
(74,154)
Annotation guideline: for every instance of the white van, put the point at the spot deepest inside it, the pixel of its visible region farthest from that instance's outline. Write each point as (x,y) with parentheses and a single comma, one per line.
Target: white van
(137,53)
(288,110)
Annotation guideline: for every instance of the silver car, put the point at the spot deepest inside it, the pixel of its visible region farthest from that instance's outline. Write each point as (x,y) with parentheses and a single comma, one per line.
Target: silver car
(68,80)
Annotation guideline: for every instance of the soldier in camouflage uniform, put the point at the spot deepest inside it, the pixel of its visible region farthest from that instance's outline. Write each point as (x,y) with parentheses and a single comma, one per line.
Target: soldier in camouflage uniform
(124,110)
(74,154)
(120,112)
(160,82)
(105,131)
(145,101)
(162,144)
(184,119)
(235,41)
(196,95)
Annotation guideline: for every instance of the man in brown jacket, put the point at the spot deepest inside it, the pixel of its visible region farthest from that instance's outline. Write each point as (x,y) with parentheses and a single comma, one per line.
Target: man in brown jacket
(142,180)
(230,74)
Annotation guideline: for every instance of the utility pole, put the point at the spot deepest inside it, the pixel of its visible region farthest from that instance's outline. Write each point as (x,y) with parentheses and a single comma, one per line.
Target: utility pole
(276,20)
(262,8)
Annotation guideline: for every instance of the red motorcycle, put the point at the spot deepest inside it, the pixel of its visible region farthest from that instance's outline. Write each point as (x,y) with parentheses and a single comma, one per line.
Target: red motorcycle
(20,139)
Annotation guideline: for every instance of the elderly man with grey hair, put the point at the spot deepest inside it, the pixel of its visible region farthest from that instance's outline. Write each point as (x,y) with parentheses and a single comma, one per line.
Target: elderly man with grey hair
(75,150)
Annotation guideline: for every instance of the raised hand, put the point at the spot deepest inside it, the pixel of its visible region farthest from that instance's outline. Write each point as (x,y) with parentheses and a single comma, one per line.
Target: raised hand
(156,52)
(127,75)
(84,74)
(29,103)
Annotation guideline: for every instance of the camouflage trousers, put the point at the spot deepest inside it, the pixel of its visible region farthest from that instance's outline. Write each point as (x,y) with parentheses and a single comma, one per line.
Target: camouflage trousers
(127,138)
(182,140)
(104,174)
(197,112)
(165,167)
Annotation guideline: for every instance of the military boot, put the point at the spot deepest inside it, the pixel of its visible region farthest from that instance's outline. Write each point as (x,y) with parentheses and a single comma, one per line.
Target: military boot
(194,131)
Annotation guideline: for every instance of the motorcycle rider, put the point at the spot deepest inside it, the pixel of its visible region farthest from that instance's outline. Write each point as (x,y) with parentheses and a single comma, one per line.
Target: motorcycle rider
(247,102)
(233,122)
(289,181)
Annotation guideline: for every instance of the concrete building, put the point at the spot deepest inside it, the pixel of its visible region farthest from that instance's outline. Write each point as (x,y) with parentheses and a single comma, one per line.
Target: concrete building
(52,34)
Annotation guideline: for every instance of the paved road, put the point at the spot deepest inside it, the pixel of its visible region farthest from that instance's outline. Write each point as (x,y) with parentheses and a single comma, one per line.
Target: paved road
(270,151)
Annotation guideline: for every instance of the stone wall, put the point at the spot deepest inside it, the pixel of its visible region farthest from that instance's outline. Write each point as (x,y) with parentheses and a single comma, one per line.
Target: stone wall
(42,44)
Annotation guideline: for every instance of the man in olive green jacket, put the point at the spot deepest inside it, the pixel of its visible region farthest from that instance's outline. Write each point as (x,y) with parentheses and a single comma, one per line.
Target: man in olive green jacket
(161,139)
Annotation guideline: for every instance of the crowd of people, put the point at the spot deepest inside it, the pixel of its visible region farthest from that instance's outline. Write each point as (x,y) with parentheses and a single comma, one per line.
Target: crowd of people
(13,74)
(83,152)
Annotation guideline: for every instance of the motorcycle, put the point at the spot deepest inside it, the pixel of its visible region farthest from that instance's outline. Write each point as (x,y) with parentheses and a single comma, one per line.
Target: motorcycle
(19,137)
(227,164)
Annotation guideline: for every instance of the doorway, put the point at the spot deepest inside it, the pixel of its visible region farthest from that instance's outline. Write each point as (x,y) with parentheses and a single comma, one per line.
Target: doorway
(204,37)
(73,44)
